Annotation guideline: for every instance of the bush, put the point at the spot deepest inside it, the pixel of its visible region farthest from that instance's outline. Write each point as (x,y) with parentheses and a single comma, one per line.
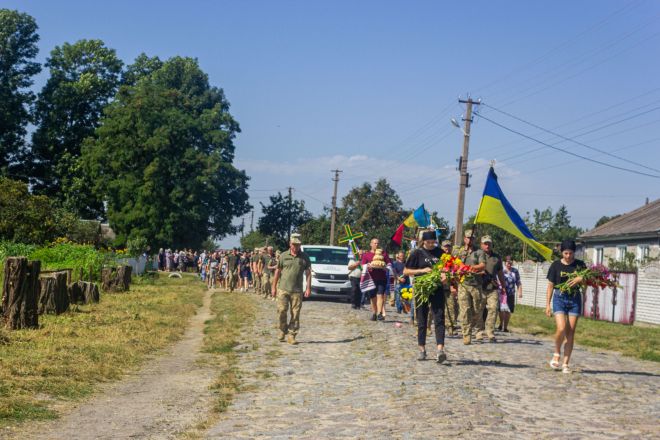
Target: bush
(64,254)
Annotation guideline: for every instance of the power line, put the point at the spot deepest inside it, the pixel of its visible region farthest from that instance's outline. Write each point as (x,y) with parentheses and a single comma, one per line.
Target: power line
(566,151)
(582,143)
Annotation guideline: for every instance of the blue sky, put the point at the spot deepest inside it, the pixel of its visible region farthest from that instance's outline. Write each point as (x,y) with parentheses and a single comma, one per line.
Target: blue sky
(369,87)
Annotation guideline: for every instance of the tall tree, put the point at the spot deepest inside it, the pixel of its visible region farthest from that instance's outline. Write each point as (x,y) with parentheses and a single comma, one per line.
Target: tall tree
(162,159)
(374,210)
(317,230)
(142,67)
(84,76)
(280,215)
(18,47)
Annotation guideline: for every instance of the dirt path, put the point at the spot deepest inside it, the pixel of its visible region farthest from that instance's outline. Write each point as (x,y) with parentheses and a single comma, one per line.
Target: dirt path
(352,378)
(166,397)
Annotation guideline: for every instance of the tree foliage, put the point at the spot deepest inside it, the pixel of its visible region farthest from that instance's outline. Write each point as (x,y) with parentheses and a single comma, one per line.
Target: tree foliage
(280,215)
(317,230)
(256,239)
(18,48)
(162,159)
(374,210)
(84,76)
(604,219)
(28,218)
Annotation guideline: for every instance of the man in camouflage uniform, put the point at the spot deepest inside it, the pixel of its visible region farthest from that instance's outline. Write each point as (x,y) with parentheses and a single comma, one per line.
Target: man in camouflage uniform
(288,287)
(470,296)
(491,289)
(268,266)
(451,301)
(232,269)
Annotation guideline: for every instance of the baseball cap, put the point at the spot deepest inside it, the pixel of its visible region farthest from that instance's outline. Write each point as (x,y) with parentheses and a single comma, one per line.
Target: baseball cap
(486,239)
(295,239)
(468,233)
(446,243)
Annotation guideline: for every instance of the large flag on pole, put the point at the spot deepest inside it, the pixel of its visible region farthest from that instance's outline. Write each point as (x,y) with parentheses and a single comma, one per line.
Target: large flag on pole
(496,210)
(419,217)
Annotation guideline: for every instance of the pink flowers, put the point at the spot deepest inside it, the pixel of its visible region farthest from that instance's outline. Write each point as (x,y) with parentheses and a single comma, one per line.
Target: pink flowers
(596,275)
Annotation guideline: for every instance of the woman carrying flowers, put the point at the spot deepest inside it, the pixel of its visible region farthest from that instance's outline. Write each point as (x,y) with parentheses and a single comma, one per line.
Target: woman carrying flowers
(421,261)
(564,289)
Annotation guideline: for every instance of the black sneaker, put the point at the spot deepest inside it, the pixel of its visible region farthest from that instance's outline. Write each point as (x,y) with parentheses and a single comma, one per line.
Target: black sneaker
(441,357)
(421,356)
(380,317)
(373,317)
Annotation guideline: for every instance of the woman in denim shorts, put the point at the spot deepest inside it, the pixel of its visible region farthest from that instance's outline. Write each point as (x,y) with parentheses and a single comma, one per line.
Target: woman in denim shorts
(566,306)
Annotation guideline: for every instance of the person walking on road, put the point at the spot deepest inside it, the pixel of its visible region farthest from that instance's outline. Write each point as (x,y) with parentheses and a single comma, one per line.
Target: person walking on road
(469,291)
(451,300)
(420,262)
(288,288)
(566,306)
(354,275)
(493,284)
(513,283)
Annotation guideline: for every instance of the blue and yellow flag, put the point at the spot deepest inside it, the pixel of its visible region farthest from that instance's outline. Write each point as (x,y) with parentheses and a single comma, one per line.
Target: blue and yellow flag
(496,210)
(419,217)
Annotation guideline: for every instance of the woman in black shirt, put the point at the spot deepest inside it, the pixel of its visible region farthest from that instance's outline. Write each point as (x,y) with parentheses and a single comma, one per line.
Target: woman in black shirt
(566,306)
(420,262)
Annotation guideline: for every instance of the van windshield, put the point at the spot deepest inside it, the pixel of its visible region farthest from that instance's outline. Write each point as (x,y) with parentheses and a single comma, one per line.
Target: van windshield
(327,256)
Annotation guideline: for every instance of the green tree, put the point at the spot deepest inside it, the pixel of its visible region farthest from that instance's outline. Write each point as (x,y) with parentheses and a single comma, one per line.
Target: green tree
(84,76)
(280,215)
(374,210)
(18,48)
(317,230)
(142,67)
(256,239)
(28,218)
(162,159)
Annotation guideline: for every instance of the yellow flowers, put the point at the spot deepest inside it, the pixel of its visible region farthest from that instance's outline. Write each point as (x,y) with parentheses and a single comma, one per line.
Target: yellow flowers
(407,293)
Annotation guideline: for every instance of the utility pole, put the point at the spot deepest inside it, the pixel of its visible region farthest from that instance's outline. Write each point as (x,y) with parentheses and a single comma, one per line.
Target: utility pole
(288,236)
(462,165)
(333,216)
(252,221)
(242,227)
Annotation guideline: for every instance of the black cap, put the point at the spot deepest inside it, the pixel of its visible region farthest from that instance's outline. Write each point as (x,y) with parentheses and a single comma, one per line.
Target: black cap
(429,235)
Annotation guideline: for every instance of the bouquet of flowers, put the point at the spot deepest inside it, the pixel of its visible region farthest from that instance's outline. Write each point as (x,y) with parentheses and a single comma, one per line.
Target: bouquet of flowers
(406,297)
(452,267)
(595,275)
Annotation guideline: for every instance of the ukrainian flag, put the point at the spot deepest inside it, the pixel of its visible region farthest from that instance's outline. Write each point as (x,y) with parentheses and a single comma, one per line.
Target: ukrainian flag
(419,217)
(496,210)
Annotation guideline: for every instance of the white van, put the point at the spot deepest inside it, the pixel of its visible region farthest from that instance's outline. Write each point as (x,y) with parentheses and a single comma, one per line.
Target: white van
(329,271)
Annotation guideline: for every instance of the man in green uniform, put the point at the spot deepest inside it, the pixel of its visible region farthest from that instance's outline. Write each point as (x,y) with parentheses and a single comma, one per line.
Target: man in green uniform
(491,289)
(232,269)
(451,302)
(267,268)
(470,296)
(288,287)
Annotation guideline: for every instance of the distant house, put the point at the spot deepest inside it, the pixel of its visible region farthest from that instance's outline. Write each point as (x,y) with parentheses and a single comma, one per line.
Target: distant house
(636,232)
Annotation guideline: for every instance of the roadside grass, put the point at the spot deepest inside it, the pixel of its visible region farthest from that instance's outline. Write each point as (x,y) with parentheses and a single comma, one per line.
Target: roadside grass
(635,341)
(222,335)
(70,354)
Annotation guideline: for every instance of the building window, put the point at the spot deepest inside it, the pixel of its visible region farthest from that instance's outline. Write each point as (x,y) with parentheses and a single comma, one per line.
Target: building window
(621,252)
(598,255)
(642,252)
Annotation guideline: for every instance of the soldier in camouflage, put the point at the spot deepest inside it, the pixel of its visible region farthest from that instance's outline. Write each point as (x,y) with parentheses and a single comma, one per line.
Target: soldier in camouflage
(470,296)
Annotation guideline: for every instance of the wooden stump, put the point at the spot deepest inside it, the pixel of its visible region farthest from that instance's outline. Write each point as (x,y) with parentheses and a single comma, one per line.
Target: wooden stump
(84,292)
(54,297)
(21,293)
(116,279)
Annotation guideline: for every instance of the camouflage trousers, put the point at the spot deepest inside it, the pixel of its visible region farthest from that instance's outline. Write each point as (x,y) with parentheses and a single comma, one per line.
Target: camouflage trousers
(256,280)
(470,302)
(491,301)
(233,278)
(451,315)
(288,301)
(265,284)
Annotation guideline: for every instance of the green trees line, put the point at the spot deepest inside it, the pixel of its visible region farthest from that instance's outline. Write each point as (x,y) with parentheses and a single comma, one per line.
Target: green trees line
(147,146)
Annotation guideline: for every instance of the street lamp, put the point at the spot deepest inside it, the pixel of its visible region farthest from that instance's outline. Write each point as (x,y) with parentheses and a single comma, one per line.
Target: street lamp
(455,123)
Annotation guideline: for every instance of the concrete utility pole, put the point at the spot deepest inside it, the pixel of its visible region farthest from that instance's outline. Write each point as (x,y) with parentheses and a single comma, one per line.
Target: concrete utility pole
(462,165)
(243,227)
(252,221)
(288,235)
(333,216)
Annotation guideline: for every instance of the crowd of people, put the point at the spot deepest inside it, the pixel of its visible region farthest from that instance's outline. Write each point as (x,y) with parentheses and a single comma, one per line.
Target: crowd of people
(474,305)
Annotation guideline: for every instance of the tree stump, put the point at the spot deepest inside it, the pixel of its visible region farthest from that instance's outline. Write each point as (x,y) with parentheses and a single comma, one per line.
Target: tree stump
(84,292)
(54,297)
(21,293)
(116,279)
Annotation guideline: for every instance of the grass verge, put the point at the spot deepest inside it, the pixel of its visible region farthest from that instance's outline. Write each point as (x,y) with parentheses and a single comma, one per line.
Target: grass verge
(222,334)
(72,353)
(638,342)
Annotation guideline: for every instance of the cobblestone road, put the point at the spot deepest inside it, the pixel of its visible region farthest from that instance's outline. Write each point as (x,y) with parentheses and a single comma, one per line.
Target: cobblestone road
(353,378)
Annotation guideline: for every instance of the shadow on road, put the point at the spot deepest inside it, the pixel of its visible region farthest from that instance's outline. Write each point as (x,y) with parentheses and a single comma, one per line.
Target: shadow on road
(628,373)
(487,363)
(340,341)
(519,341)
